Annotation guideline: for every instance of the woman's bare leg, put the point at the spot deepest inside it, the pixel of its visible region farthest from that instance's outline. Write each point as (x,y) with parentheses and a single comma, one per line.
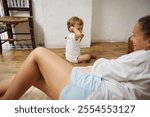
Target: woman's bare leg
(43,69)
(4,86)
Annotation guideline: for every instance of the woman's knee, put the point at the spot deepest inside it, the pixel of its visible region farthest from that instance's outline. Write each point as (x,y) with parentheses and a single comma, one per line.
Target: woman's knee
(38,50)
(36,53)
(41,52)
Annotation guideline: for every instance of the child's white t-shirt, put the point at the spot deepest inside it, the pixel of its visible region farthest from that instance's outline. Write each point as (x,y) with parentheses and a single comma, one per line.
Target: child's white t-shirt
(72,47)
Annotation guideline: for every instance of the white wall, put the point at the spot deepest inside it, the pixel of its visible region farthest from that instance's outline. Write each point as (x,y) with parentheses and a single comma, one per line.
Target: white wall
(113,20)
(51,17)
(38,21)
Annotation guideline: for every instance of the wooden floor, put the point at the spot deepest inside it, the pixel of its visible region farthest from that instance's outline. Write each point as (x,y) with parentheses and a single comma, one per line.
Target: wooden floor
(11,60)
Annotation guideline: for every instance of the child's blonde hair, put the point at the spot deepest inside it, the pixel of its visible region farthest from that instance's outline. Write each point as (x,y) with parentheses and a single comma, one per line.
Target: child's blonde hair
(73,20)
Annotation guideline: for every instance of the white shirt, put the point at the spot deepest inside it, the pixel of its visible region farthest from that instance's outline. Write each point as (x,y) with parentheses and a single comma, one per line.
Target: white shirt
(72,46)
(127,77)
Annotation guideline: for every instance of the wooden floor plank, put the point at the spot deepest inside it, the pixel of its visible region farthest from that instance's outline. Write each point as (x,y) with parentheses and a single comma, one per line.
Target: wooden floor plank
(11,60)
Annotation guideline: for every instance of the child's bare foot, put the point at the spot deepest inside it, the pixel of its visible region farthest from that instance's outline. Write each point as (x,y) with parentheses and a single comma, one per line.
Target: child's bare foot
(93,56)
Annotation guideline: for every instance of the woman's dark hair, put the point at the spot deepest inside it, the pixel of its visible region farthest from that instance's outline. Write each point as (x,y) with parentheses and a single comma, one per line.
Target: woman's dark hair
(145,25)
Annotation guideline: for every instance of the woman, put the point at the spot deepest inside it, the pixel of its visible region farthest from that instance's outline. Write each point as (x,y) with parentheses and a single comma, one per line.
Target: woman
(127,77)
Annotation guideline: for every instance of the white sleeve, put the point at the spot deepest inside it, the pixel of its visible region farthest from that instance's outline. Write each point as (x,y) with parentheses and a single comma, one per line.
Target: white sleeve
(134,66)
(71,36)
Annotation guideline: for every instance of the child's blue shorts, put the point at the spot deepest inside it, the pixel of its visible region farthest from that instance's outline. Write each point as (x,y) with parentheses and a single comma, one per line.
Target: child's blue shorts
(81,85)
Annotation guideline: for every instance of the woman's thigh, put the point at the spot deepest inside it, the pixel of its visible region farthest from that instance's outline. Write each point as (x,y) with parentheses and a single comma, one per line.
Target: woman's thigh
(55,71)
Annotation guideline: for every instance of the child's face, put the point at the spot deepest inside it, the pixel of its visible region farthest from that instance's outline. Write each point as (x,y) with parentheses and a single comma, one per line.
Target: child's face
(139,41)
(78,27)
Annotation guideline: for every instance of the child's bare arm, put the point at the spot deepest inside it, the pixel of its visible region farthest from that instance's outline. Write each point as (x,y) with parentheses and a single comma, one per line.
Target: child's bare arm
(78,34)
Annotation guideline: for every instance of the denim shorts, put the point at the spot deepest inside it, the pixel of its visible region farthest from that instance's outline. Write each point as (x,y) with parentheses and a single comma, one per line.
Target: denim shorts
(80,86)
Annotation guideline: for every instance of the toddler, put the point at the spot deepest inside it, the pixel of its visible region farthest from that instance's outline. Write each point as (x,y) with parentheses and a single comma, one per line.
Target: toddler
(75,28)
